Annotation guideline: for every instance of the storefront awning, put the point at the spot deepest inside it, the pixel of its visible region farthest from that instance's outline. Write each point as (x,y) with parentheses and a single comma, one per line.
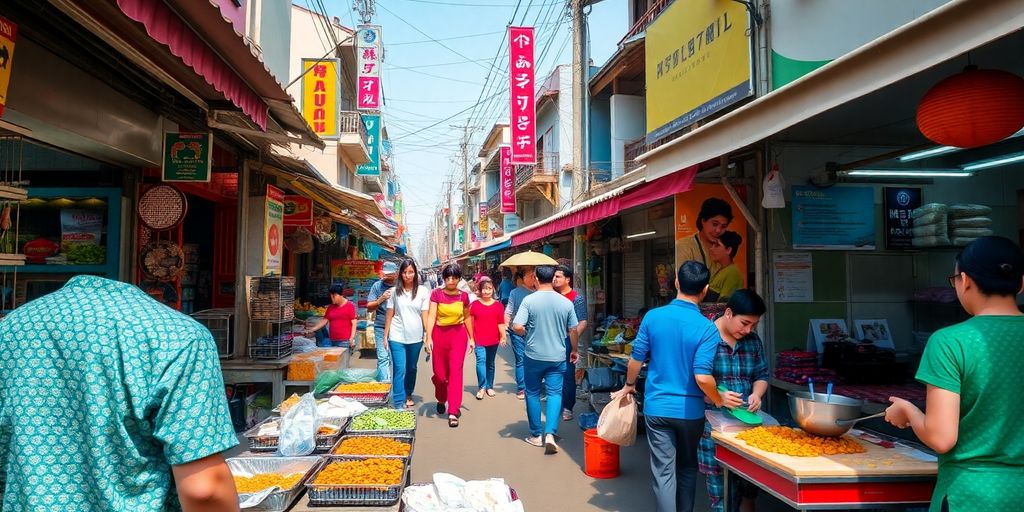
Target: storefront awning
(606,205)
(199,34)
(945,33)
(493,246)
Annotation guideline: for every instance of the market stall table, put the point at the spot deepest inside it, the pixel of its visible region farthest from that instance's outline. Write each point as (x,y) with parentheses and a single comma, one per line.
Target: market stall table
(880,477)
(245,371)
(303,506)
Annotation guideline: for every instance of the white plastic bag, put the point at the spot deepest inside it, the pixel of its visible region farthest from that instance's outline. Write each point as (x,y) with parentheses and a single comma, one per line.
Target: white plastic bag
(617,423)
(298,428)
(774,188)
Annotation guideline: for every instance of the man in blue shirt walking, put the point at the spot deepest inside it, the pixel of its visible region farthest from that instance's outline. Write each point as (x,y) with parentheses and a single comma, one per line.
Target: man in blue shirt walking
(527,279)
(377,301)
(681,344)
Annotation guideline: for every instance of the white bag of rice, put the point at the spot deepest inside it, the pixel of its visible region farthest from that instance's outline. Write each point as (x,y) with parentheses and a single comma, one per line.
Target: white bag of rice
(970,222)
(969,210)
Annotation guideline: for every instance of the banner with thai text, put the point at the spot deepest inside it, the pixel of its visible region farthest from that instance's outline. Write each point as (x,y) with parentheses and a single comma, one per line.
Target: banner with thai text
(523,110)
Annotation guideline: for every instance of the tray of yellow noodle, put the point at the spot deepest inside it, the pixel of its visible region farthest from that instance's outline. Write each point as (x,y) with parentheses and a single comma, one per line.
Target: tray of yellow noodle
(255,474)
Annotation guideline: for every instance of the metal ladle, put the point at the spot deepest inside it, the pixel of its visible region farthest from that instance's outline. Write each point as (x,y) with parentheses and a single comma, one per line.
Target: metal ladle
(844,423)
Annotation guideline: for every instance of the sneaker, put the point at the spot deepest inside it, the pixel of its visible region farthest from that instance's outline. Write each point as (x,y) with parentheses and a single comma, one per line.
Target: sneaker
(550,447)
(537,441)
(440,409)
(566,415)
(521,395)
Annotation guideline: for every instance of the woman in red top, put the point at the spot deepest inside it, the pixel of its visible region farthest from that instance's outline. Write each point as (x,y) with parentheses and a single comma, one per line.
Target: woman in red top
(449,339)
(341,321)
(488,317)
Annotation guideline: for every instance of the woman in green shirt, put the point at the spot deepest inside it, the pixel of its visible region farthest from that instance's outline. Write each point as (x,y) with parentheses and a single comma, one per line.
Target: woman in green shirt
(974,417)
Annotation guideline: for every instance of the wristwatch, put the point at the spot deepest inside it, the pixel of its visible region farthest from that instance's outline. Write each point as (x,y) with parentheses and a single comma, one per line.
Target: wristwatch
(631,384)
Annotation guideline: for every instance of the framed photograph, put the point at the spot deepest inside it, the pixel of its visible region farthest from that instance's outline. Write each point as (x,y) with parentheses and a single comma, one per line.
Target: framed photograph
(820,330)
(875,331)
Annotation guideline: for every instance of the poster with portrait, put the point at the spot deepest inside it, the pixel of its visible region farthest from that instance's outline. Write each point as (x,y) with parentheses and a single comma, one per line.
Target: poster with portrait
(710,228)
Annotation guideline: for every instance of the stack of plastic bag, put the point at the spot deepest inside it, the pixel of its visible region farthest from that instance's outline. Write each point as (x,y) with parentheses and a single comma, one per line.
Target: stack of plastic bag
(450,493)
(968,222)
(931,226)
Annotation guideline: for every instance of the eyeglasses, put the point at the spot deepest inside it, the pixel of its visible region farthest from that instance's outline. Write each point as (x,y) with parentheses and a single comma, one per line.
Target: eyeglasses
(952,279)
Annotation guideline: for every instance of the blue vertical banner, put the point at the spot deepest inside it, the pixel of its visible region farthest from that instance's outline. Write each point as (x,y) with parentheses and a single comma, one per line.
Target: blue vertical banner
(372,123)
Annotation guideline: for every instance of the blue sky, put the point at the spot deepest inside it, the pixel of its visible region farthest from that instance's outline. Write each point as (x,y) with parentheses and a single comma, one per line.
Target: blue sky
(426,82)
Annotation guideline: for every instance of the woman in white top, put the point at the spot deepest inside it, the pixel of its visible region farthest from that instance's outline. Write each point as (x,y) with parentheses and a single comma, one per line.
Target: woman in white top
(404,329)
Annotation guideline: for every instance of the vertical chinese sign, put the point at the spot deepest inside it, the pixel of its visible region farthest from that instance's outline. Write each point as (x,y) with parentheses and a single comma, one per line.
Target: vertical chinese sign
(369,53)
(483,224)
(371,168)
(523,110)
(320,96)
(8,34)
(508,181)
(273,232)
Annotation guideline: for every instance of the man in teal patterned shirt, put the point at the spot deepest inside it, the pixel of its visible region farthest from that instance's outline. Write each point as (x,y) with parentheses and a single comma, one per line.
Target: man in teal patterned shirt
(105,395)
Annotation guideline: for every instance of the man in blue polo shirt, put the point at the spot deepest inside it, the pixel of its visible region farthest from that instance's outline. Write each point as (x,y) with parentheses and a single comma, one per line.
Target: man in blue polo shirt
(681,344)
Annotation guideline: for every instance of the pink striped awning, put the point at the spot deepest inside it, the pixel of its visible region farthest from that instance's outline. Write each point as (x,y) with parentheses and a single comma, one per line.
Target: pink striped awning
(167,28)
(586,213)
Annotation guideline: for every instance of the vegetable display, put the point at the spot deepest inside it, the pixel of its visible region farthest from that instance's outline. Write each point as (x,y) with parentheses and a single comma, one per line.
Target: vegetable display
(384,419)
(371,445)
(256,483)
(796,442)
(362,472)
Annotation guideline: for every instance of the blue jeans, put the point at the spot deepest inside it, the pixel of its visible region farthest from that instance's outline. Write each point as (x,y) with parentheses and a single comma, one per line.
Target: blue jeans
(485,365)
(518,349)
(405,356)
(551,374)
(383,356)
(569,380)
(674,444)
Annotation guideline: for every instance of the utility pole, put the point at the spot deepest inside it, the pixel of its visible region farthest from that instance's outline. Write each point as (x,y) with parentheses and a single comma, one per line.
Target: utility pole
(451,223)
(467,212)
(365,8)
(579,81)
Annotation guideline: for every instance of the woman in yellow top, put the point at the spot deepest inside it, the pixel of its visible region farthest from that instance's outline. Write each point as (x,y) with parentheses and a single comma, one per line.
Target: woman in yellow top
(729,278)
(713,219)
(449,339)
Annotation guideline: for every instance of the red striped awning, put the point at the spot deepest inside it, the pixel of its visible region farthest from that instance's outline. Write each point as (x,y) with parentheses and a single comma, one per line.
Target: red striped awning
(167,28)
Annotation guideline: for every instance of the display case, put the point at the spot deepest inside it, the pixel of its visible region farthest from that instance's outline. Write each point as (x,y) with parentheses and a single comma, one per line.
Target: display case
(69,231)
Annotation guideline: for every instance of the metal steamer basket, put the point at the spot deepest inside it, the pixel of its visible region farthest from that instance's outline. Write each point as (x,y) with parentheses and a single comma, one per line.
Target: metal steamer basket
(402,438)
(281,500)
(356,494)
(324,443)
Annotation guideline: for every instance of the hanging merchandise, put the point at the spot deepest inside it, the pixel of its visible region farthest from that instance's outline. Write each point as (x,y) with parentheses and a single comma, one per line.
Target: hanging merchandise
(299,241)
(323,229)
(774,189)
(162,260)
(974,108)
(162,207)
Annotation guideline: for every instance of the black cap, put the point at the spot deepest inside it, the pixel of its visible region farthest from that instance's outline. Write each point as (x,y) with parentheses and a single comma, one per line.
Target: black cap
(992,257)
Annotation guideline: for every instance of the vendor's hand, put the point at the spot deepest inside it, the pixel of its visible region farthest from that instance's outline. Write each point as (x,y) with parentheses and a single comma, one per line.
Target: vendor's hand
(732,399)
(574,356)
(898,414)
(753,403)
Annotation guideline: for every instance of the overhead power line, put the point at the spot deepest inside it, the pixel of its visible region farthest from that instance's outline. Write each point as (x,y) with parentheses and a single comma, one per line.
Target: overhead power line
(414,27)
(453,116)
(460,4)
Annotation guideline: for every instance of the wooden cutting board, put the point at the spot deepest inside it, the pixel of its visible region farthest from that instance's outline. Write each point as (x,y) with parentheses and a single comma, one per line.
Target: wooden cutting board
(877,461)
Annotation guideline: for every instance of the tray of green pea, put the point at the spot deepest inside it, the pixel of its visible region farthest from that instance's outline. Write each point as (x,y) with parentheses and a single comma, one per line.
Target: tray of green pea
(383,421)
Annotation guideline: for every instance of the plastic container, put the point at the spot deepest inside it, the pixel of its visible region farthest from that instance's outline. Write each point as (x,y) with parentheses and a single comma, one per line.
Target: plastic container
(600,458)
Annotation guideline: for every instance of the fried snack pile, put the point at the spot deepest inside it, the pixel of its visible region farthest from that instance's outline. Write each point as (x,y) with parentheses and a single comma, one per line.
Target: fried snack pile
(256,483)
(364,387)
(289,402)
(796,442)
(327,430)
(372,445)
(362,472)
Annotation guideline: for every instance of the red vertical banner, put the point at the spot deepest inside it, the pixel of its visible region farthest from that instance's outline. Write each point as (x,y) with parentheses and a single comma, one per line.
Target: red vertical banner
(508,181)
(523,111)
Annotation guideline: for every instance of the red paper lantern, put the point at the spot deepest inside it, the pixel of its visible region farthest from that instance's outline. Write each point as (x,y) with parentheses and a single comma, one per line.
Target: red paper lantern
(974,108)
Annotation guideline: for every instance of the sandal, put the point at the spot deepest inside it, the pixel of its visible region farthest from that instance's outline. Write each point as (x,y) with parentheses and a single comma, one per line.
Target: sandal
(409,404)
(480,395)
(440,409)
(453,421)
(490,392)
(521,395)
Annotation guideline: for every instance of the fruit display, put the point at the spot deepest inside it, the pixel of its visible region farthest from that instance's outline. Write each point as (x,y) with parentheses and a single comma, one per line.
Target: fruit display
(384,420)
(364,387)
(257,483)
(306,309)
(796,442)
(372,445)
(362,472)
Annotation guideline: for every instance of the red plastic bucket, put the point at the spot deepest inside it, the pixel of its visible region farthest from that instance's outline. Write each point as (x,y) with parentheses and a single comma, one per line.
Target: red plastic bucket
(600,458)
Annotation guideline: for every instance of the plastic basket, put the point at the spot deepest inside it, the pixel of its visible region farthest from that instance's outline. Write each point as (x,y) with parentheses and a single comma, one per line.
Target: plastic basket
(324,443)
(325,495)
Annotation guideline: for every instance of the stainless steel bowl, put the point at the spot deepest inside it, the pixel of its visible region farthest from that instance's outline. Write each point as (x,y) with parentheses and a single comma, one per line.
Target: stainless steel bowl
(820,418)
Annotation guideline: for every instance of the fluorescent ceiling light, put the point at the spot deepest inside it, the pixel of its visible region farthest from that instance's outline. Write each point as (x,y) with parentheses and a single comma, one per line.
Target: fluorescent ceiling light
(909,173)
(941,150)
(994,162)
(645,233)
(938,150)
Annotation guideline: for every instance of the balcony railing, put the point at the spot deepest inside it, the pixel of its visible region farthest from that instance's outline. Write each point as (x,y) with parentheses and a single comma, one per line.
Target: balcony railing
(634,149)
(352,122)
(493,202)
(547,165)
(646,19)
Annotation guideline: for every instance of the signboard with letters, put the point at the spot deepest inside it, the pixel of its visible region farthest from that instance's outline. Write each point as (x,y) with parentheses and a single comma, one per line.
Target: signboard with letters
(372,124)
(898,202)
(273,232)
(508,181)
(298,211)
(837,218)
(369,56)
(523,110)
(8,35)
(187,157)
(320,96)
